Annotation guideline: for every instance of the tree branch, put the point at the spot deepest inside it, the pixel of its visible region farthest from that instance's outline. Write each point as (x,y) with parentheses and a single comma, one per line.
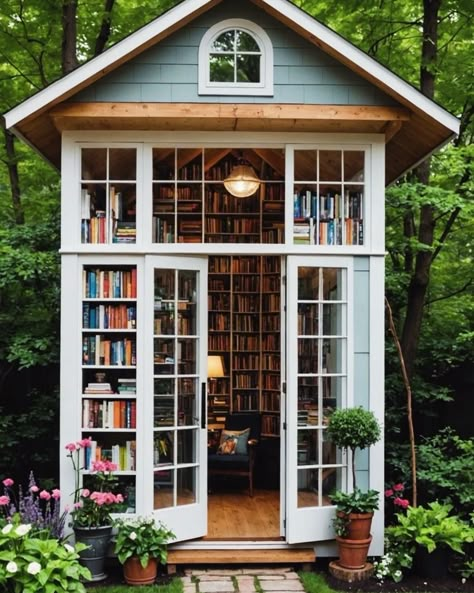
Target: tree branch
(406,382)
(448,296)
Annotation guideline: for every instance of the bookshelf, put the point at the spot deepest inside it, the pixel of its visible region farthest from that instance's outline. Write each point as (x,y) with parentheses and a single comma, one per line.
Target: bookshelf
(108,195)
(244,328)
(328,197)
(191,205)
(109,385)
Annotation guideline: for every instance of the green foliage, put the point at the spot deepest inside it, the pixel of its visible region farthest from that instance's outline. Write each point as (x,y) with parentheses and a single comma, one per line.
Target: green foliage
(446,470)
(144,538)
(430,527)
(353,428)
(29,564)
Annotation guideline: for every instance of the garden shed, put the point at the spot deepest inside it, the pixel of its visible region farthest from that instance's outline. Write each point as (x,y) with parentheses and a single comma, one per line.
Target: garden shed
(223,176)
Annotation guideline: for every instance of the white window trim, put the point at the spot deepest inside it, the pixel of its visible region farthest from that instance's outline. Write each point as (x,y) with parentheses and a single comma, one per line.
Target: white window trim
(262,88)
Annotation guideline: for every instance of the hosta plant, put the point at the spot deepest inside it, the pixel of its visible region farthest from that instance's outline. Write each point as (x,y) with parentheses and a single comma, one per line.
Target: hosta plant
(29,564)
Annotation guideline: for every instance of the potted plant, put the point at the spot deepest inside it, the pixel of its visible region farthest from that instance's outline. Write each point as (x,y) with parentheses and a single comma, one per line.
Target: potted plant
(352,429)
(140,544)
(426,534)
(93,508)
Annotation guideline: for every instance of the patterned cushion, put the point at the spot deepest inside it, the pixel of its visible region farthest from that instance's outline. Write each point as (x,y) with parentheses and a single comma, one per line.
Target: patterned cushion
(234,442)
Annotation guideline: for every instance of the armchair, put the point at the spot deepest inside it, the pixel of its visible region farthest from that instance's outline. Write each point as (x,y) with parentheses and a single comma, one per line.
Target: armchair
(241,461)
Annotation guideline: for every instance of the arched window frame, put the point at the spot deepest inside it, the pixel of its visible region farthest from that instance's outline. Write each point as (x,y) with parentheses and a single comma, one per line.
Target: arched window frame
(264,87)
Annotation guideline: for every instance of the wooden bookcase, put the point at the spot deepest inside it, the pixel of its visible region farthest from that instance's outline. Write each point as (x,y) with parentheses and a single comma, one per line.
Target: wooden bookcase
(244,328)
(191,205)
(108,392)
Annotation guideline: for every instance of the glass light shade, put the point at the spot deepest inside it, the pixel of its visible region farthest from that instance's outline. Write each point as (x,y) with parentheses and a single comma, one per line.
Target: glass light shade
(215,366)
(242,181)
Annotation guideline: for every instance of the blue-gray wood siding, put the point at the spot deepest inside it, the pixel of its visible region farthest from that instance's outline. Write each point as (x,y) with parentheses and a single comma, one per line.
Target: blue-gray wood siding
(168,72)
(361,354)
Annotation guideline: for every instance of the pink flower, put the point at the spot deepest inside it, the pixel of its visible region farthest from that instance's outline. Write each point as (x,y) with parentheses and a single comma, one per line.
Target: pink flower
(119,498)
(56,494)
(98,466)
(4,500)
(110,467)
(71,447)
(7,482)
(401,502)
(77,505)
(34,489)
(389,493)
(44,495)
(85,493)
(85,442)
(398,487)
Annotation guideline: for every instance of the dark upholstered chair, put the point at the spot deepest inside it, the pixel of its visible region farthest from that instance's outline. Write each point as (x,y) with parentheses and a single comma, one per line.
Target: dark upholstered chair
(238,464)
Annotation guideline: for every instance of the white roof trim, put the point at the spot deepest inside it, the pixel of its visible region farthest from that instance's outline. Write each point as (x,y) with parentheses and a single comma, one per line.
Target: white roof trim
(185,9)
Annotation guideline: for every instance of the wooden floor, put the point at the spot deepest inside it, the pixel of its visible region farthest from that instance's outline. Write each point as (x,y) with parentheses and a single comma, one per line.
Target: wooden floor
(237,516)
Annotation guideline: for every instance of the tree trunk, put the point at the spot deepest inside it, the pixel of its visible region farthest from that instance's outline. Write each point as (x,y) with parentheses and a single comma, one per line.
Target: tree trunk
(69,54)
(104,32)
(12,167)
(420,279)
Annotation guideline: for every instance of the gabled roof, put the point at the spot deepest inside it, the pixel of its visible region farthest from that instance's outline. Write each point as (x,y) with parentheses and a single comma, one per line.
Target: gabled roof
(409,139)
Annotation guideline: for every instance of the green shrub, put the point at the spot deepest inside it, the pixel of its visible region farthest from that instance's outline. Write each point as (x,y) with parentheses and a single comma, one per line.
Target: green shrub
(29,564)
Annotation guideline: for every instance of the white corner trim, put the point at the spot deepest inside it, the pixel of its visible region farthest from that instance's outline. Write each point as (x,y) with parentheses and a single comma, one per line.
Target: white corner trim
(264,87)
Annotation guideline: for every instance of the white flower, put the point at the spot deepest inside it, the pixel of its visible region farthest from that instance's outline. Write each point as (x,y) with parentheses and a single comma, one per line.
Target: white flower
(12,567)
(22,529)
(7,529)
(69,548)
(133,536)
(33,568)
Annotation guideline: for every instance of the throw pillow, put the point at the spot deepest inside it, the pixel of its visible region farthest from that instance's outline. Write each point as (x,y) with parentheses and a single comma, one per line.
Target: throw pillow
(241,438)
(227,446)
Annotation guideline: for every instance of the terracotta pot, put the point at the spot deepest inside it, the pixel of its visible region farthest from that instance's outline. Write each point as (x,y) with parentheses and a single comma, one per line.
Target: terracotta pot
(358,526)
(353,552)
(135,574)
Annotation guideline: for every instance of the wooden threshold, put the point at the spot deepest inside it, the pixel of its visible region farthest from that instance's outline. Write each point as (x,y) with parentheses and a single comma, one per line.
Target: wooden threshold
(260,556)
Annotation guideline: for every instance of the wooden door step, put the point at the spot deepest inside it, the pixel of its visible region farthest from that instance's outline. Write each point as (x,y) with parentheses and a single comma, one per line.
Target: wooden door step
(241,556)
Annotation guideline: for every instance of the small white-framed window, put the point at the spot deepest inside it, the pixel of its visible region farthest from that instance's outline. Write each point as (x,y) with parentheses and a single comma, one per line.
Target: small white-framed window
(236,58)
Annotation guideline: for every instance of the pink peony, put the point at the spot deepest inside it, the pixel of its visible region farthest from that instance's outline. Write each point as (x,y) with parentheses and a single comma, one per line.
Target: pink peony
(71,447)
(4,500)
(7,482)
(398,487)
(119,498)
(85,442)
(34,489)
(56,494)
(401,502)
(44,495)
(389,493)
(85,493)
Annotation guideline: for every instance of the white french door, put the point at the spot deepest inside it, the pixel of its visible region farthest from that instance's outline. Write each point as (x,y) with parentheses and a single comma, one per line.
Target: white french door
(175,447)
(318,366)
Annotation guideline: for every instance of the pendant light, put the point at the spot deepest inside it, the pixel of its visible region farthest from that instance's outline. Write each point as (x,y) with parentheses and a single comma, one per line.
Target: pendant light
(242,181)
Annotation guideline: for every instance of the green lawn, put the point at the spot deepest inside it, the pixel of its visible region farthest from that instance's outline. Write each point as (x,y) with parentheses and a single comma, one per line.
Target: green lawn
(174,587)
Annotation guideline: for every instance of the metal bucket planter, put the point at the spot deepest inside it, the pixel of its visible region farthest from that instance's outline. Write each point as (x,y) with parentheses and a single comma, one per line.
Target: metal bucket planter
(93,558)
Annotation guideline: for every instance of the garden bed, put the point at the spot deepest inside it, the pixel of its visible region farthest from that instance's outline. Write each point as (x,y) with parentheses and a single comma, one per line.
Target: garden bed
(410,584)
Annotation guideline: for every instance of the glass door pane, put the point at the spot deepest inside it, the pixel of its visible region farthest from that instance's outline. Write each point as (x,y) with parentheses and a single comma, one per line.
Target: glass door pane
(179,349)
(317,385)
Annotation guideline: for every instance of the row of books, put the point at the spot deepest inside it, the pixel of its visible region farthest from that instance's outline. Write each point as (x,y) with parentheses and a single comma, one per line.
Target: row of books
(124,232)
(329,232)
(109,316)
(94,229)
(109,413)
(307,204)
(109,284)
(98,351)
(124,455)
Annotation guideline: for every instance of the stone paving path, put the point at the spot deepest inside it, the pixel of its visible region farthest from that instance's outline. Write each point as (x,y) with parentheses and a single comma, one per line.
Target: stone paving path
(242,580)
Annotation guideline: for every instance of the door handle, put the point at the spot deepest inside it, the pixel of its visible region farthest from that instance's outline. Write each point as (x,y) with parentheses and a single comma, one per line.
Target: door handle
(203,405)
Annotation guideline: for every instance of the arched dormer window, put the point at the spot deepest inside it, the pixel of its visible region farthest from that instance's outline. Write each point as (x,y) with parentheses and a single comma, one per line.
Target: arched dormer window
(236,58)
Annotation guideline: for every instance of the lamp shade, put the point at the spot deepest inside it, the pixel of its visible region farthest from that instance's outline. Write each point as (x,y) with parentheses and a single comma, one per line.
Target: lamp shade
(242,181)
(215,366)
